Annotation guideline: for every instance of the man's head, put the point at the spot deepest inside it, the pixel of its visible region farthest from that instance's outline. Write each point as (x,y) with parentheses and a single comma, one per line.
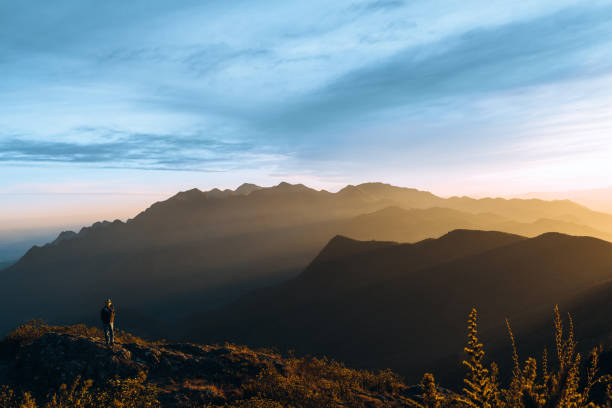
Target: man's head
(108,302)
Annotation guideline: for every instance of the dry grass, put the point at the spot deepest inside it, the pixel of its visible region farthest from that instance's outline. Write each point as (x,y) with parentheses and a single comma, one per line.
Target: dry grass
(34,329)
(126,393)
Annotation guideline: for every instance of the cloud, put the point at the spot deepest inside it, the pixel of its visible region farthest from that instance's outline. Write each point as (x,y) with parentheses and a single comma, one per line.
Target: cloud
(215,57)
(378,5)
(140,151)
(200,59)
(543,50)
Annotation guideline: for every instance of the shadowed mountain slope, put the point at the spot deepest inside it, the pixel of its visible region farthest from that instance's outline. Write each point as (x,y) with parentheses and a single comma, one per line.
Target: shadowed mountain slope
(591,311)
(403,303)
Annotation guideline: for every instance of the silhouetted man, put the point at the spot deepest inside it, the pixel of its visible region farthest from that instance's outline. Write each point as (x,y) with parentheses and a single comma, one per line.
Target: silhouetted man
(107,315)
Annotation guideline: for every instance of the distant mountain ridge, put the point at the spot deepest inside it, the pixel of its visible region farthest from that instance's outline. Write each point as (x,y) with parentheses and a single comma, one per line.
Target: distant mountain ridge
(378,196)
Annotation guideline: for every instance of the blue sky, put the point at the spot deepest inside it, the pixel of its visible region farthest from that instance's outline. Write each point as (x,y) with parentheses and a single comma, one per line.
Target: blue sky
(108,106)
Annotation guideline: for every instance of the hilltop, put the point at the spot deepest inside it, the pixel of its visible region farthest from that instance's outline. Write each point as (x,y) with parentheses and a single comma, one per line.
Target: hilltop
(40,358)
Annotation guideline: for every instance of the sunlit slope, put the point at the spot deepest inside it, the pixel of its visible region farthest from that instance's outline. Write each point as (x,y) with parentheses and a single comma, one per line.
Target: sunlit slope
(402,302)
(410,225)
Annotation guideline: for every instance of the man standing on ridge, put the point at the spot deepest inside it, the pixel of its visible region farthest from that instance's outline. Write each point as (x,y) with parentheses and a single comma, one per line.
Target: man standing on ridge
(107,315)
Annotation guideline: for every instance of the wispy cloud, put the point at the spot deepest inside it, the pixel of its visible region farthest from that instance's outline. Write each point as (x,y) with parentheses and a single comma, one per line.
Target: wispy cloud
(144,151)
(553,48)
(377,5)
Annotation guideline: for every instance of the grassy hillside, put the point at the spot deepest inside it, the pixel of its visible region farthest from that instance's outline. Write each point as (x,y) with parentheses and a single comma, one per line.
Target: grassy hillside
(140,373)
(61,367)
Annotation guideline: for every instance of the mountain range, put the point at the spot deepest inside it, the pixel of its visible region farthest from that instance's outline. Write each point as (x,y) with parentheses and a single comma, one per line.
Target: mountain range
(202,250)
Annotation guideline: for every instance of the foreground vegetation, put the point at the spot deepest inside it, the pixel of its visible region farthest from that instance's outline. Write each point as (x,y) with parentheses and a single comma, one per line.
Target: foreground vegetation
(568,381)
(532,385)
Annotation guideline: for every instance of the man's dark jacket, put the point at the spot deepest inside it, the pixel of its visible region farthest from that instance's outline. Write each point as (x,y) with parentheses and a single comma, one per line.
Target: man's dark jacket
(107,315)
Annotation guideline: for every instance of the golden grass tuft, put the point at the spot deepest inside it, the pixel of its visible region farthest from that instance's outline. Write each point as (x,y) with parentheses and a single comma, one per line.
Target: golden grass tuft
(117,393)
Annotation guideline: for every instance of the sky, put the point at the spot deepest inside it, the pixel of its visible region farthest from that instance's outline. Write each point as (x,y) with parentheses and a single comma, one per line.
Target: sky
(106,107)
